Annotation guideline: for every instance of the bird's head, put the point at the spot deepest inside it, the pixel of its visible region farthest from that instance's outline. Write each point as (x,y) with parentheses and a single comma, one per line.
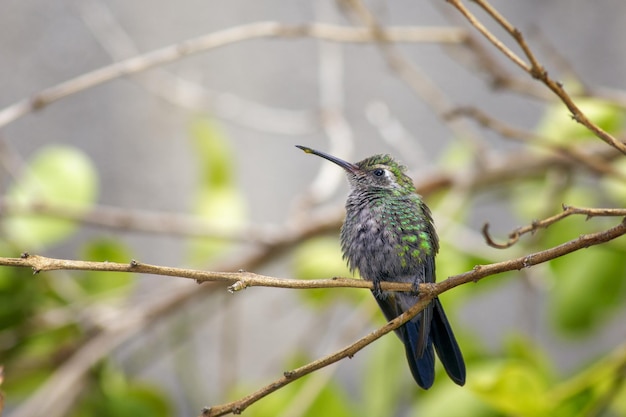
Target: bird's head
(378,172)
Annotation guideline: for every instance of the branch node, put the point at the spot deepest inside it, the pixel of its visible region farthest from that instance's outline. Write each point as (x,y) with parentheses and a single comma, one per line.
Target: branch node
(539,73)
(513,238)
(24,255)
(205,411)
(237,286)
(476,269)
(534,225)
(288,374)
(133,263)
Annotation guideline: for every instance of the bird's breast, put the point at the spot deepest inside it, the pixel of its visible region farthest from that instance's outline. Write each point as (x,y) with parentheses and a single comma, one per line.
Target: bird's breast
(385,244)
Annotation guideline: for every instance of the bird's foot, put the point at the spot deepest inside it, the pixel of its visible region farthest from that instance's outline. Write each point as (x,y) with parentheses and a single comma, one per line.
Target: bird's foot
(415,289)
(377,291)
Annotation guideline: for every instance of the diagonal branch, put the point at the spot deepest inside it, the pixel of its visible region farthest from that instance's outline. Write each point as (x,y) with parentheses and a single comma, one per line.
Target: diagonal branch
(241,280)
(534,68)
(236,407)
(427,293)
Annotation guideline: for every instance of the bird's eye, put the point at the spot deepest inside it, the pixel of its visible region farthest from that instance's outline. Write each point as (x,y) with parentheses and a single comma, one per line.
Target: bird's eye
(379,172)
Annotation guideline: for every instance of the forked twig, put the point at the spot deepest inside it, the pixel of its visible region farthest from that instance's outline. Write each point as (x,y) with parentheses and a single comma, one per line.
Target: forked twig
(515,235)
(533,67)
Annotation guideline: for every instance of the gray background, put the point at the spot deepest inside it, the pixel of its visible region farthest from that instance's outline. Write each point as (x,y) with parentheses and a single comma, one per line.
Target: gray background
(140,142)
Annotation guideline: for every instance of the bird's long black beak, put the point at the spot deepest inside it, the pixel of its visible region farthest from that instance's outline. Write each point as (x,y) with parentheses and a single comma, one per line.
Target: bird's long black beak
(350,167)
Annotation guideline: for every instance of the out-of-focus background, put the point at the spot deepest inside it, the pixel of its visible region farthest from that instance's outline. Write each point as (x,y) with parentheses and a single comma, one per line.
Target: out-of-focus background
(193,164)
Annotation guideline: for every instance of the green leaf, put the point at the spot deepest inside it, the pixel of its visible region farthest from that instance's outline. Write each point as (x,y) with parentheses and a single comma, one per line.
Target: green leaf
(449,400)
(534,199)
(319,258)
(615,188)
(588,287)
(456,155)
(512,387)
(520,348)
(56,175)
(218,198)
(213,154)
(384,378)
(307,398)
(587,392)
(558,126)
(105,250)
(111,394)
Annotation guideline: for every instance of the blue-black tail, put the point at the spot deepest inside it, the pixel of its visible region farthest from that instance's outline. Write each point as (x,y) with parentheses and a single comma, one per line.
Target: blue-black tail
(419,344)
(446,346)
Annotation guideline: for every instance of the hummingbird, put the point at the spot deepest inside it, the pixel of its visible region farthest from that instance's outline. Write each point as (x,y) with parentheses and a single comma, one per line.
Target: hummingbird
(388,235)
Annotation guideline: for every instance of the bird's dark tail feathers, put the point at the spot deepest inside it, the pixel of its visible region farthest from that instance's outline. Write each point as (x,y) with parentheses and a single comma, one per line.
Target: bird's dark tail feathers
(446,346)
(419,344)
(444,342)
(422,366)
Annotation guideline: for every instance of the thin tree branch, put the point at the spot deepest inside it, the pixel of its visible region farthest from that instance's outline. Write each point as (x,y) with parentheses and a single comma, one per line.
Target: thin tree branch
(141,221)
(416,79)
(514,166)
(427,293)
(188,94)
(238,280)
(171,53)
(242,279)
(515,235)
(236,407)
(534,68)
(594,164)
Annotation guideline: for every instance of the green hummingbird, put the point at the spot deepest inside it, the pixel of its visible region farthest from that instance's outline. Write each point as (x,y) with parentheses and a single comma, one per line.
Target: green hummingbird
(388,235)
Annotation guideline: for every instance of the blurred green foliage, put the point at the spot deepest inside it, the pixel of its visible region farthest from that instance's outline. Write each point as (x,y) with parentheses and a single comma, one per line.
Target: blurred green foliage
(41,323)
(55,175)
(218,197)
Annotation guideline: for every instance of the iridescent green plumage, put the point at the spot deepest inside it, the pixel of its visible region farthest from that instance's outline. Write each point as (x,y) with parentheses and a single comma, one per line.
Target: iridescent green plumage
(388,235)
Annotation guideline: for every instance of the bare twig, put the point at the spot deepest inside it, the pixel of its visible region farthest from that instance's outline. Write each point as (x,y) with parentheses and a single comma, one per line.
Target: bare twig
(594,164)
(142,221)
(188,94)
(533,68)
(515,235)
(238,280)
(218,39)
(416,79)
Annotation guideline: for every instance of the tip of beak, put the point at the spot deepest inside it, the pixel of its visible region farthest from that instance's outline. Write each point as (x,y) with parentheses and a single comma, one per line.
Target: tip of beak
(343,164)
(305,149)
